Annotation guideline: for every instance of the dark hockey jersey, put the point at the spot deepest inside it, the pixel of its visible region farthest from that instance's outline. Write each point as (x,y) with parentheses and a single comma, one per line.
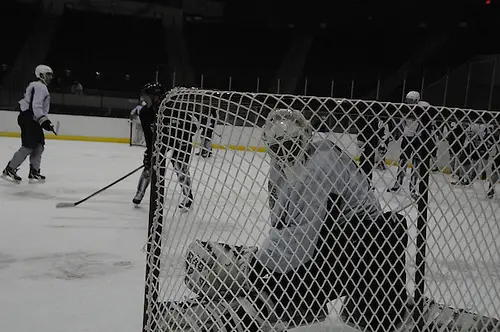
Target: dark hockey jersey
(179,125)
(148,121)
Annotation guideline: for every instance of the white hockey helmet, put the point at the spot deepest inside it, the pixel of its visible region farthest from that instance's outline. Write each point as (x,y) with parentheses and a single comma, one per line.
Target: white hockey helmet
(41,72)
(286,135)
(412,97)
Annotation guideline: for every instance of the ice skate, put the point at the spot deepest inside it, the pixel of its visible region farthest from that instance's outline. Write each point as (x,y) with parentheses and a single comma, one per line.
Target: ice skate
(204,153)
(35,176)
(138,197)
(491,192)
(186,204)
(10,174)
(142,186)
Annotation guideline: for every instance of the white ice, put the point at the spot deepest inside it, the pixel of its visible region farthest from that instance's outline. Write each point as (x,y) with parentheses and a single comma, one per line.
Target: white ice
(82,269)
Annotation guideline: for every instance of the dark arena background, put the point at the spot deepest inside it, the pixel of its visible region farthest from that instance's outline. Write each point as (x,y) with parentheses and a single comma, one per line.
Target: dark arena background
(348,72)
(347,49)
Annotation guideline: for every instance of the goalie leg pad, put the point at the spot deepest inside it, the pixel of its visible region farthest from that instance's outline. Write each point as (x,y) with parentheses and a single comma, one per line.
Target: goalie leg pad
(216,270)
(197,315)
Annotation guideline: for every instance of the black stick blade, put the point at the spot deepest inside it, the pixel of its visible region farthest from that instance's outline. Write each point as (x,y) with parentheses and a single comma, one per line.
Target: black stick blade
(64,205)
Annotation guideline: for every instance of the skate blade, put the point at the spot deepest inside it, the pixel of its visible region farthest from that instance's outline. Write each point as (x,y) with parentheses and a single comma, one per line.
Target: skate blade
(8,178)
(34,181)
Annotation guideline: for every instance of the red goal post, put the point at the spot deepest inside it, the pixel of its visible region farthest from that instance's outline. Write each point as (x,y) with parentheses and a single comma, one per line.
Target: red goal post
(453,249)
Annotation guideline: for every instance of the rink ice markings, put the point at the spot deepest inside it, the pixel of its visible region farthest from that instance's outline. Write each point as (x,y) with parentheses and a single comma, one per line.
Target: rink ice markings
(70,265)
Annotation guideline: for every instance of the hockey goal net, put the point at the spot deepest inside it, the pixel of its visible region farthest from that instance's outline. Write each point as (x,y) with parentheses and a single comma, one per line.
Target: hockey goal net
(136,133)
(450,247)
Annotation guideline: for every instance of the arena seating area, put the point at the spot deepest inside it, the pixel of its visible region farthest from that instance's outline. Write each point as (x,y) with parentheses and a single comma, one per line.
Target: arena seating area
(114,54)
(113,45)
(17,19)
(218,51)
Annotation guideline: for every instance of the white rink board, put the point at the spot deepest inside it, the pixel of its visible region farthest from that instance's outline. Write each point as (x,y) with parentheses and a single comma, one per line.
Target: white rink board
(231,136)
(82,269)
(74,125)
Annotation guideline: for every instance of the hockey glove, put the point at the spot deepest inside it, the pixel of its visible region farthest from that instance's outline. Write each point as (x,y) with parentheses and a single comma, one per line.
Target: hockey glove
(46,124)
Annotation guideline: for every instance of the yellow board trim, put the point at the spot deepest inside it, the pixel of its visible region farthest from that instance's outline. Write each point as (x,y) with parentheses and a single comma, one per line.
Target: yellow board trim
(389,162)
(74,138)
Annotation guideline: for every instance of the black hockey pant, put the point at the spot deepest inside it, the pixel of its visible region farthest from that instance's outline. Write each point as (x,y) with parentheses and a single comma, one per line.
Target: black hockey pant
(207,132)
(180,161)
(367,158)
(361,260)
(409,153)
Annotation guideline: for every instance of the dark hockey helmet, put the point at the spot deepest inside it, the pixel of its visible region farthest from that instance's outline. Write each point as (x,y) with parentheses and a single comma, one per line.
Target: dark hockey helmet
(153,89)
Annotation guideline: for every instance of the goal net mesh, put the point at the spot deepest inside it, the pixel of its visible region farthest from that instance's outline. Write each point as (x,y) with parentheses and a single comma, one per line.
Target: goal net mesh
(450,248)
(136,133)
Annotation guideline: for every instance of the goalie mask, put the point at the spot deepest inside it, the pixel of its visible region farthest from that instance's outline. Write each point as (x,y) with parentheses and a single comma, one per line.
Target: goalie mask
(412,97)
(286,135)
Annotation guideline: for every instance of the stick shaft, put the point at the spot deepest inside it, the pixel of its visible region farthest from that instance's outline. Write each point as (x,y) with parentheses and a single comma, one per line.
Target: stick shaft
(59,205)
(110,185)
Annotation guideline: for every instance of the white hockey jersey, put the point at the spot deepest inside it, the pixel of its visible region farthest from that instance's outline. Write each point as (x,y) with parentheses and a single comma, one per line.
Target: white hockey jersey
(480,137)
(301,206)
(37,97)
(413,127)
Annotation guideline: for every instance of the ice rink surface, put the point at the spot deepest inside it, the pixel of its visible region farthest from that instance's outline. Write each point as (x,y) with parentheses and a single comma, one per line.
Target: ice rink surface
(82,269)
(78,269)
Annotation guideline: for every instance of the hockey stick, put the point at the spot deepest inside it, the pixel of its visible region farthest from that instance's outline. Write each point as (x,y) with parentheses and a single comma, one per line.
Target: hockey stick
(56,129)
(65,205)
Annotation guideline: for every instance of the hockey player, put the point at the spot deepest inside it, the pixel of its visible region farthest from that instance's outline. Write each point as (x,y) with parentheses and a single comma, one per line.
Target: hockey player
(456,138)
(478,144)
(371,140)
(329,238)
(368,141)
(178,134)
(208,122)
(33,119)
(151,96)
(137,134)
(411,143)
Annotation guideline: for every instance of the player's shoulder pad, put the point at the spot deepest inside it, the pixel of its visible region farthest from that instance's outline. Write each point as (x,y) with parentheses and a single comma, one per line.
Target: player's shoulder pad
(39,87)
